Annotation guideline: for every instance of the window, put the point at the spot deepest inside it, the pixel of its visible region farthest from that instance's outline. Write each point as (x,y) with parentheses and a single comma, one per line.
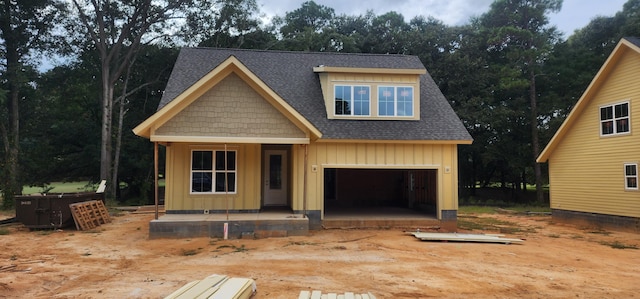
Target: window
(614,119)
(352,100)
(210,170)
(631,176)
(395,101)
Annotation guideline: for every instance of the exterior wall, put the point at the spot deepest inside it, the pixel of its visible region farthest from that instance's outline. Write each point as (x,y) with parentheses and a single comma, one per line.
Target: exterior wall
(329,80)
(585,170)
(321,155)
(231,109)
(178,167)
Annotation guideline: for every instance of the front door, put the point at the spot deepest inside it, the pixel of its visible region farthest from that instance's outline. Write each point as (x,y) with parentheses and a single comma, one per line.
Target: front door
(275,177)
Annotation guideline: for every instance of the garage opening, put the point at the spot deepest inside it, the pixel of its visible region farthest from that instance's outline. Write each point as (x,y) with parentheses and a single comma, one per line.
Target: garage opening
(386,191)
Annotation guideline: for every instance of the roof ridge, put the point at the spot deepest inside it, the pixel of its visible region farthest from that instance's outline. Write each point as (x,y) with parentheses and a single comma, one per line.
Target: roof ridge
(302,52)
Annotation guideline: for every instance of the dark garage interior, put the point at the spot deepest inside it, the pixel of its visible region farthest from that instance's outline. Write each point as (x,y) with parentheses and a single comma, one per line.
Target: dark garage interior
(349,189)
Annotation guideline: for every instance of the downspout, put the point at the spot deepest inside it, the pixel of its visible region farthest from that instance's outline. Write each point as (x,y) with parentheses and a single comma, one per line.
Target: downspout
(304,188)
(155,175)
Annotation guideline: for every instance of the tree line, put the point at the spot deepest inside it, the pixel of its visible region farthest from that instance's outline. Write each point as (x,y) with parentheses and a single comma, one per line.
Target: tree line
(509,74)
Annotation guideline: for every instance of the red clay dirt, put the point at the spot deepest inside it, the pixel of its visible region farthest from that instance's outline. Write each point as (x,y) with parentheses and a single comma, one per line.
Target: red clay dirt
(117,260)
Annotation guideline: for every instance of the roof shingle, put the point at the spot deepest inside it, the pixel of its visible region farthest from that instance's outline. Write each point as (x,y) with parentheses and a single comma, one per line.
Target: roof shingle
(291,76)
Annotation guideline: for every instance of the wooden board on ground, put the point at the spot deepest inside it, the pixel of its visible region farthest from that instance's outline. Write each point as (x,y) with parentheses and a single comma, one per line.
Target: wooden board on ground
(89,214)
(455,237)
(348,295)
(216,287)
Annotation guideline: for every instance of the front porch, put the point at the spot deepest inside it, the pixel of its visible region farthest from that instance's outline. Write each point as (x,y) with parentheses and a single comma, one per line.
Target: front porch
(240,225)
(283,223)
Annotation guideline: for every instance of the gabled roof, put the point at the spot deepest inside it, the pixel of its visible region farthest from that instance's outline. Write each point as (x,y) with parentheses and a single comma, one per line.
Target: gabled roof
(625,44)
(291,76)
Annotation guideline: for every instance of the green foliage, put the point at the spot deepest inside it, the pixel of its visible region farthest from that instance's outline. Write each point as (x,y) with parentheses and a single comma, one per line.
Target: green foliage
(619,245)
(483,68)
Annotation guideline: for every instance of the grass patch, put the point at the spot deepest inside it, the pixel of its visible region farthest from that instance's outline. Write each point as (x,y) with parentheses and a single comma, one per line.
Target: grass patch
(4,231)
(234,248)
(488,223)
(553,236)
(189,252)
(619,245)
(299,243)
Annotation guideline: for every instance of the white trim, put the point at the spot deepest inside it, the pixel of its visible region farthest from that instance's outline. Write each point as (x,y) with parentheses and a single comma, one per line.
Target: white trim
(614,119)
(352,100)
(626,176)
(214,172)
(395,101)
(236,140)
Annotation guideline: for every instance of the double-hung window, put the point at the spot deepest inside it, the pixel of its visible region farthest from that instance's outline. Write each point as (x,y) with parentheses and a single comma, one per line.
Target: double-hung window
(395,101)
(614,119)
(352,100)
(631,176)
(213,171)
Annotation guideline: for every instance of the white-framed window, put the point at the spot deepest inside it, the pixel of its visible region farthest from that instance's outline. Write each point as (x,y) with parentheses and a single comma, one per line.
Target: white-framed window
(395,101)
(213,171)
(352,100)
(614,119)
(631,176)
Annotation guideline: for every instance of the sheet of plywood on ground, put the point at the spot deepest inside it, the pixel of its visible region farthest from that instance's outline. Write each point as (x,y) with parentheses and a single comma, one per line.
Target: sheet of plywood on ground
(455,237)
(319,295)
(216,286)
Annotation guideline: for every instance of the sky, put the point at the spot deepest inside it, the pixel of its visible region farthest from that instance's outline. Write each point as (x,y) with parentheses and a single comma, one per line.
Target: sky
(575,14)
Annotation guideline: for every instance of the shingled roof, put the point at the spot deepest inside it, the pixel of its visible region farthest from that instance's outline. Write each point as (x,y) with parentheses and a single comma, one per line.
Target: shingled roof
(291,76)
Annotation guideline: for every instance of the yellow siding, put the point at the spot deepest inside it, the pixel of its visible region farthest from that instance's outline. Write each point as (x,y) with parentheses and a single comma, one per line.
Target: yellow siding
(178,180)
(586,170)
(372,155)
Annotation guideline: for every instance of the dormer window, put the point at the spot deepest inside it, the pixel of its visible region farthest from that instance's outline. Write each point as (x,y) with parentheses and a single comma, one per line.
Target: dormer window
(370,93)
(395,101)
(352,100)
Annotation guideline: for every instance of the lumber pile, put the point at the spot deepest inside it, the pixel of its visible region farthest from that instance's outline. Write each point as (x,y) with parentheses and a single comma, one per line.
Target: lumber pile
(347,295)
(455,237)
(89,214)
(216,287)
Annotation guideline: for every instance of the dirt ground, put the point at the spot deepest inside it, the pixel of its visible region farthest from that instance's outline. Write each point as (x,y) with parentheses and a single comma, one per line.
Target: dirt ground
(118,260)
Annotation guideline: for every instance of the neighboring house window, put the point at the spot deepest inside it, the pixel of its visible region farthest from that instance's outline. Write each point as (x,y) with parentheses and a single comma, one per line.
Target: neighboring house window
(210,171)
(352,100)
(395,101)
(614,119)
(631,176)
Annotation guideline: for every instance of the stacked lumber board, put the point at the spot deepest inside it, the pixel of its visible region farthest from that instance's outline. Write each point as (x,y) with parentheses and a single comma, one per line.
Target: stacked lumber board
(216,287)
(455,237)
(347,295)
(89,214)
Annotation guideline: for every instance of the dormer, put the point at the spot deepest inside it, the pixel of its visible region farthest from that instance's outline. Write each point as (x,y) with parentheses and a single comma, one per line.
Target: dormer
(370,93)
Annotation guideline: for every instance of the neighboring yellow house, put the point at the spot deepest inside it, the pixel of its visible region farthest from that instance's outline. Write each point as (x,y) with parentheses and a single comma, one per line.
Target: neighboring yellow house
(593,158)
(312,133)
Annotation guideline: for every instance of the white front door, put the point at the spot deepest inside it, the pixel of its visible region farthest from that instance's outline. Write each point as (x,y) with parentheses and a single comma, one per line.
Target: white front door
(275,177)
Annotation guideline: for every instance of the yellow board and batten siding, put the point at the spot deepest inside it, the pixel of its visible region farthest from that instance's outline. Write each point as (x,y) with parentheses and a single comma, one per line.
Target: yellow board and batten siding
(586,170)
(357,154)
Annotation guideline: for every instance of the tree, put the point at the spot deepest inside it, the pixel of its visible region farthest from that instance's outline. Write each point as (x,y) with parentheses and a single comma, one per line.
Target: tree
(24,28)
(522,41)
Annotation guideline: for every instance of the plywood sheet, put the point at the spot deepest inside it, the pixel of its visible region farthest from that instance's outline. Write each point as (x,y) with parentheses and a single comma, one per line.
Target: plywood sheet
(455,237)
